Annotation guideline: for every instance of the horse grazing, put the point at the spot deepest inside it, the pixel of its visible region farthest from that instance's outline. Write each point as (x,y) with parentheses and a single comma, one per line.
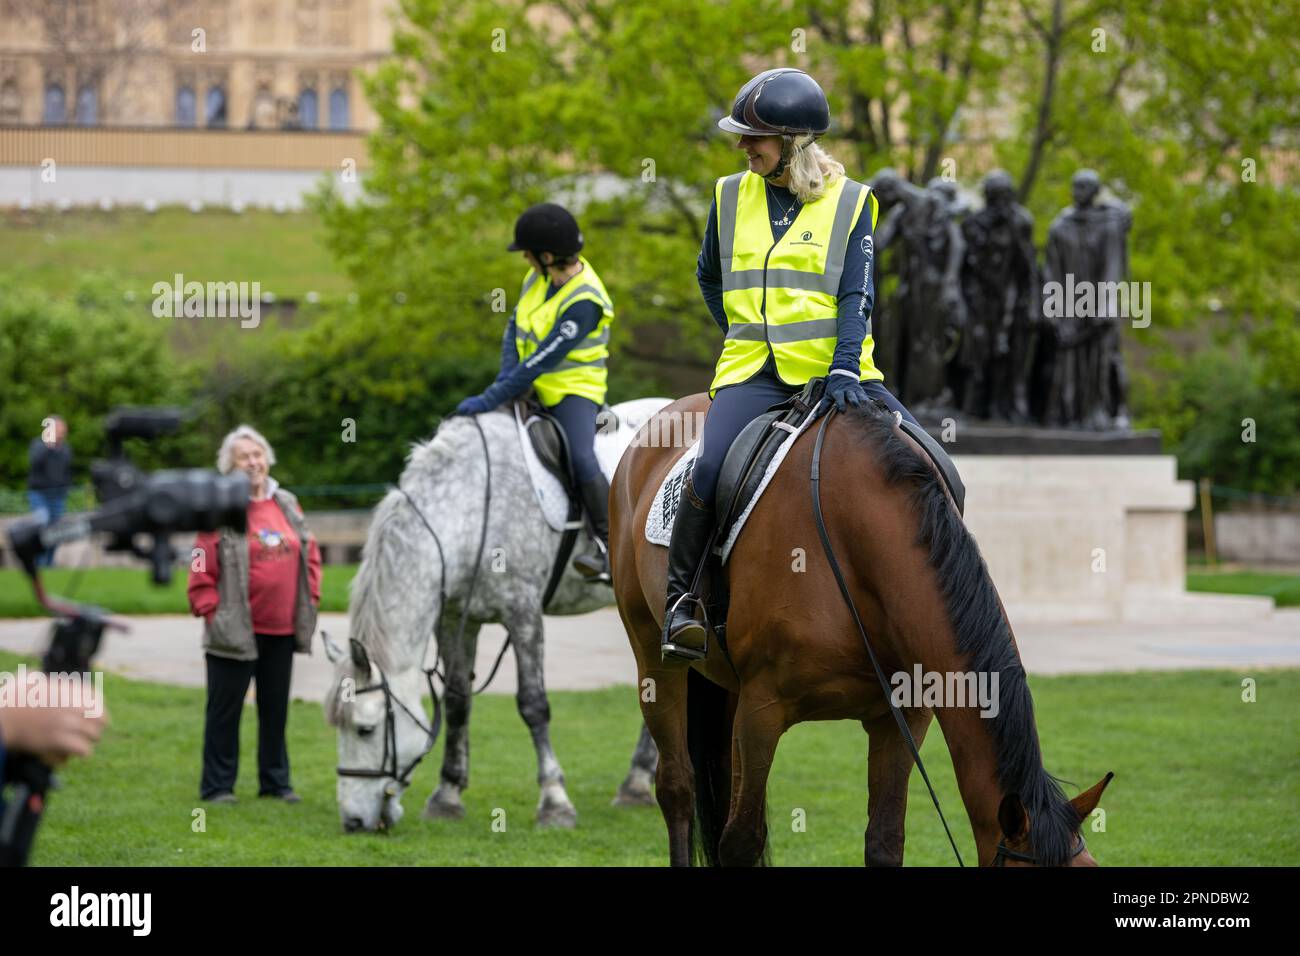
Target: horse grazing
(923,595)
(428,546)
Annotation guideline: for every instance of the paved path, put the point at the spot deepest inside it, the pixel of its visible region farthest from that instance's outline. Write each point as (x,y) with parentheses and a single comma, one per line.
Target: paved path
(591,651)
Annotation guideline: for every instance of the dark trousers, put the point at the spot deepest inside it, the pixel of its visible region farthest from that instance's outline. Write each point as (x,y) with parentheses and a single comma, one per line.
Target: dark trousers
(227,684)
(577,416)
(735,406)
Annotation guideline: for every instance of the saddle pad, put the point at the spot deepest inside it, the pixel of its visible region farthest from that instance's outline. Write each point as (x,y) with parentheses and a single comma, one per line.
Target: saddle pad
(613,435)
(659,523)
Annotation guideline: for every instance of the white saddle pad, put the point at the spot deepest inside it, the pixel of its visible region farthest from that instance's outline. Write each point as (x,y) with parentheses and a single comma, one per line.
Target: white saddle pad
(614,433)
(659,523)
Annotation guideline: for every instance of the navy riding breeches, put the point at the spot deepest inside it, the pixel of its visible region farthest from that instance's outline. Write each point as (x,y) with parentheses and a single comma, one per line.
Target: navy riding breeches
(577,416)
(735,406)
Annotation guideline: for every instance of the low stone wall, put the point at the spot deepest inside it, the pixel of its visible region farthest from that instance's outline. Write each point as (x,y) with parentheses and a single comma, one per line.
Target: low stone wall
(1258,537)
(1089,538)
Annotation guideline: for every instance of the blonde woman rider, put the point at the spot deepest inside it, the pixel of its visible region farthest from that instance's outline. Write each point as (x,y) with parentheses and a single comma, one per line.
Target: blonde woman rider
(785,270)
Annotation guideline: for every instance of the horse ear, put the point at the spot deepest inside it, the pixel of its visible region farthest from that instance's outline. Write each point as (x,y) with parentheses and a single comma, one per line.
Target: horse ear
(1012,817)
(332,650)
(359,656)
(1087,801)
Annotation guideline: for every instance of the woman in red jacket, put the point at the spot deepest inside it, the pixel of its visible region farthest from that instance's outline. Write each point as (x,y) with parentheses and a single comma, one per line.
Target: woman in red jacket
(257,594)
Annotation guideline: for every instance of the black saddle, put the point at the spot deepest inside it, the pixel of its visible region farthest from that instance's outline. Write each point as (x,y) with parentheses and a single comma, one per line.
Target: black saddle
(746,463)
(753,450)
(552,447)
(550,443)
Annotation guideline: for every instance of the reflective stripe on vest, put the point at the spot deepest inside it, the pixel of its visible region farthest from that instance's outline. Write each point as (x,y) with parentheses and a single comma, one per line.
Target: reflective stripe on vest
(582,371)
(783,296)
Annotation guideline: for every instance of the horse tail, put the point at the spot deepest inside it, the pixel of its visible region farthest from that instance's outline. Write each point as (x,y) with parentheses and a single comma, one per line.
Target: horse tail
(710,714)
(708,741)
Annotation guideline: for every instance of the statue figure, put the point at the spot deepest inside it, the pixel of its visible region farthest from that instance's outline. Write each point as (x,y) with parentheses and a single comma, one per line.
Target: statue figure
(927,302)
(1000,286)
(1087,245)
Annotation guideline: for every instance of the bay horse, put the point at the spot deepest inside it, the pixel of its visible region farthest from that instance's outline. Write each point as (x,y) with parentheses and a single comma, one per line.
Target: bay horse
(924,596)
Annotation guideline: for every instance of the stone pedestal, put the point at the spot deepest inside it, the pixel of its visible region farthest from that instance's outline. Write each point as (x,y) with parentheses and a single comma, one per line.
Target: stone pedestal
(1081,538)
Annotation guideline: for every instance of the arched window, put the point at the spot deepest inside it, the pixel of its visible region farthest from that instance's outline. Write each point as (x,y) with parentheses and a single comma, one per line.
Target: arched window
(308,110)
(10,103)
(186,107)
(56,109)
(216,112)
(338,108)
(87,106)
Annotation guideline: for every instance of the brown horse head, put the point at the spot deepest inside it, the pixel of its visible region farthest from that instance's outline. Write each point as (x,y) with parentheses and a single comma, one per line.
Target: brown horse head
(1014,847)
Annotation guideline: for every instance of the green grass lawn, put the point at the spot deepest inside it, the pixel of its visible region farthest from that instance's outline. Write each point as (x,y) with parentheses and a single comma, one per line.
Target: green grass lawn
(128,591)
(1201,779)
(1284,589)
(285,252)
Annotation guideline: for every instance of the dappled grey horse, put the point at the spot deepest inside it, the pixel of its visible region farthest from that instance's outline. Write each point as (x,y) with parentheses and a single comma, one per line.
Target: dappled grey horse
(426,548)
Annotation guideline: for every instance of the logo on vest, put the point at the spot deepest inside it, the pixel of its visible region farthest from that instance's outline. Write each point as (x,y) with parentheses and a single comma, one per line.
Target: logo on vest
(805,239)
(569,329)
(806,236)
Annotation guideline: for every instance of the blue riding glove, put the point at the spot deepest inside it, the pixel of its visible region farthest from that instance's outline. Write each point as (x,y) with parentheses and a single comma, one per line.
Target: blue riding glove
(845,391)
(474,405)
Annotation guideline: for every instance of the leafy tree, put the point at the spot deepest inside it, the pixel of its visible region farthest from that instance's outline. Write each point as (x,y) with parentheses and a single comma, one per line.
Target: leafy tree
(77,357)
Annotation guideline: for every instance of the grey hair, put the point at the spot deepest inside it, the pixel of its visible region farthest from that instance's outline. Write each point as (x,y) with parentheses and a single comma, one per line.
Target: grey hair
(226,456)
(812,169)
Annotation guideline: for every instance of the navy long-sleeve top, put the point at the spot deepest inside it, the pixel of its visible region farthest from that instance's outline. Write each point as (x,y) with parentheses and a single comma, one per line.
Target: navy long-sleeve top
(857,283)
(515,376)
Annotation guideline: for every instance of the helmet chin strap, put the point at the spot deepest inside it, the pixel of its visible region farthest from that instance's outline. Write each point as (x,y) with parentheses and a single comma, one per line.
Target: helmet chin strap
(788,150)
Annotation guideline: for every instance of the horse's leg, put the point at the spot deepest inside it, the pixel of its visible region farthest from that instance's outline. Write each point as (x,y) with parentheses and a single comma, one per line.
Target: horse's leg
(889,767)
(457,659)
(758,726)
(635,791)
(664,708)
(554,809)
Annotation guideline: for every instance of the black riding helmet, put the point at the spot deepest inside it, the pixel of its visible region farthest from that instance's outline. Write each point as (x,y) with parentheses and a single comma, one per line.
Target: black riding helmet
(780,102)
(547,227)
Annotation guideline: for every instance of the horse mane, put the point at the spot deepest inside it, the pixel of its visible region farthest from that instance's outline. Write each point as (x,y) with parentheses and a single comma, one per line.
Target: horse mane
(394,539)
(982,634)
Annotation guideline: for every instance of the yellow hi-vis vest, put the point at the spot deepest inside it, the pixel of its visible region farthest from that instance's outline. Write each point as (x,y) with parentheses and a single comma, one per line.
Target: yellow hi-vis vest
(583,371)
(783,296)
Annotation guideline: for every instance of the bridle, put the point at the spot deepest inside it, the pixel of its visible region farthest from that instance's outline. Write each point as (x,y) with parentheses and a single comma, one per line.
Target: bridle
(1006,853)
(388,767)
(388,764)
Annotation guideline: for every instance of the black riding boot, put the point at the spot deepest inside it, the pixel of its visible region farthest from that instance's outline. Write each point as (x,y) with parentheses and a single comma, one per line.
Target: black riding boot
(595,499)
(685,635)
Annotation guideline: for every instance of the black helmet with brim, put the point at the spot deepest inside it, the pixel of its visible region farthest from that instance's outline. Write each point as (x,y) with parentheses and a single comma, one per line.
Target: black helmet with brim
(779,102)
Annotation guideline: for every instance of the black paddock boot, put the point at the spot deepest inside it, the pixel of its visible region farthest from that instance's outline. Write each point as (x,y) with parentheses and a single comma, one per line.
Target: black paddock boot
(685,634)
(595,499)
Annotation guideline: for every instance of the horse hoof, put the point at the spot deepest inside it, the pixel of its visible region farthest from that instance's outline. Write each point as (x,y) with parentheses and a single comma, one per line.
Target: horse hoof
(633,797)
(436,809)
(559,817)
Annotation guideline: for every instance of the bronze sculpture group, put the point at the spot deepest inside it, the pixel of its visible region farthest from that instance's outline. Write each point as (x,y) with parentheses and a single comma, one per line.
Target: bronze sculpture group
(965,330)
